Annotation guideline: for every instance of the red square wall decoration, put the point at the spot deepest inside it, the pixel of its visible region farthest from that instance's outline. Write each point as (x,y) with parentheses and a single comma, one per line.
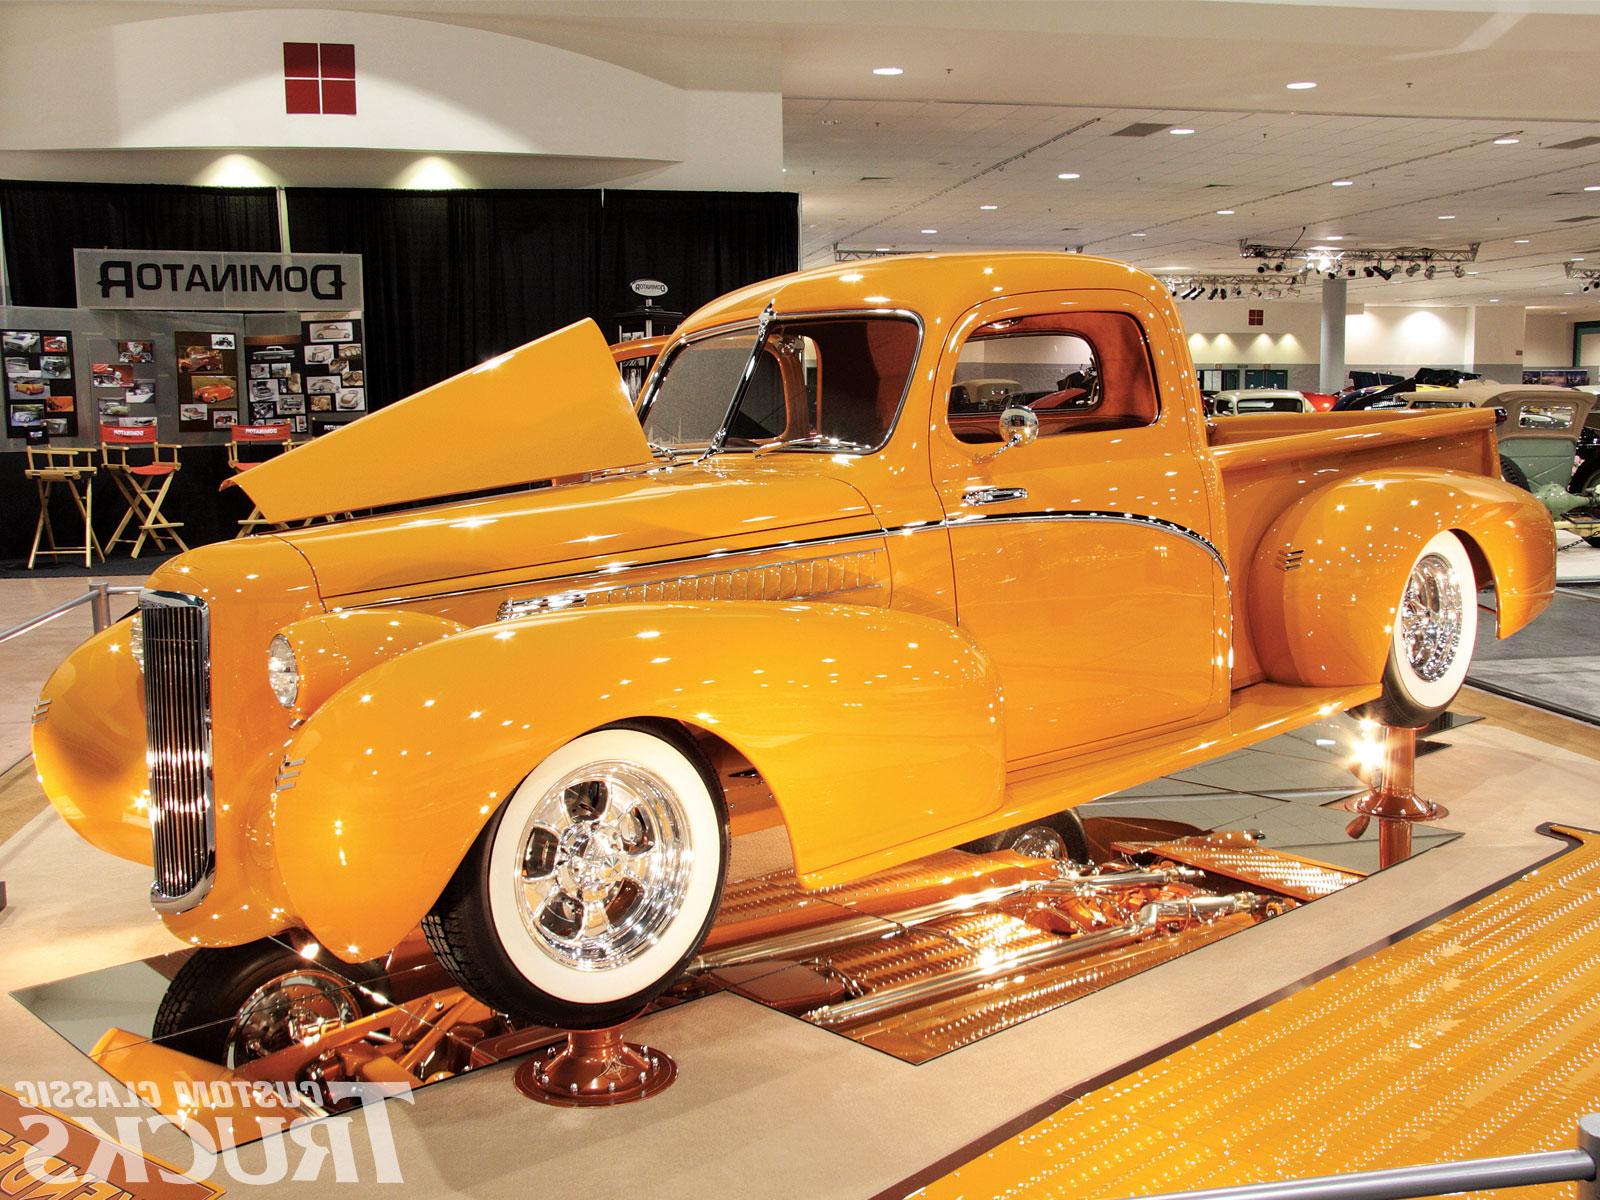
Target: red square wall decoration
(300,60)
(338,61)
(319,78)
(302,96)
(339,97)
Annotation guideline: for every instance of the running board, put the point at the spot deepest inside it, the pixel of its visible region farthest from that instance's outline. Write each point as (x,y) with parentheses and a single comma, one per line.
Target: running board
(1258,712)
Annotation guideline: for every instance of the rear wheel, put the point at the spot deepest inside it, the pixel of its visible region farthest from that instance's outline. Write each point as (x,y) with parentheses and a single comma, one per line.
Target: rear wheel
(1060,836)
(593,886)
(1430,646)
(1511,473)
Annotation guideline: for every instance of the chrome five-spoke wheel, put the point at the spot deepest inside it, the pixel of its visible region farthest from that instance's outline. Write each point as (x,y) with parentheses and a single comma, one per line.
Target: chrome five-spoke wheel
(604,864)
(1435,625)
(592,887)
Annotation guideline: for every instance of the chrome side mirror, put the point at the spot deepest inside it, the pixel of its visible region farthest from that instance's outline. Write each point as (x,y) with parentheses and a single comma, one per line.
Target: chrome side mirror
(1018,427)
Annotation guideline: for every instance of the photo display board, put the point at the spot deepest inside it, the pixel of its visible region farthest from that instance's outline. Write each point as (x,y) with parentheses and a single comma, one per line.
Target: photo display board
(335,374)
(39,390)
(275,379)
(208,380)
(122,380)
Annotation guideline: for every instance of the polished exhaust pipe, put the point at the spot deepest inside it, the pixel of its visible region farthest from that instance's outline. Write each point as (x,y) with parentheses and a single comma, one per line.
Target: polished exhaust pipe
(1152,919)
(807,943)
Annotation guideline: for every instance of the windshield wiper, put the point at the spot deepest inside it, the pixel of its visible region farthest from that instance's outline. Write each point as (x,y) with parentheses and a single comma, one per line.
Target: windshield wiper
(721,436)
(812,440)
(660,451)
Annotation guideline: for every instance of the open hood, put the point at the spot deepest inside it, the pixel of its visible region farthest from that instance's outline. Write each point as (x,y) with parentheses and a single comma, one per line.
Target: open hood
(554,407)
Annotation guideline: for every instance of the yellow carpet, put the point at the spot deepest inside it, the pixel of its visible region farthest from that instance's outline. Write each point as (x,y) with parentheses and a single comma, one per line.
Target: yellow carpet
(1479,1035)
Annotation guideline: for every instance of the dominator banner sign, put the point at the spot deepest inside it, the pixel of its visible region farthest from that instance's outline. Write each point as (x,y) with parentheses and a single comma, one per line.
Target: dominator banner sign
(203,281)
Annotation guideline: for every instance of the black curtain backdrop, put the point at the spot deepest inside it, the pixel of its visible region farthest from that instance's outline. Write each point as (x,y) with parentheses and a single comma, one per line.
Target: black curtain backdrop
(44,222)
(453,278)
(700,244)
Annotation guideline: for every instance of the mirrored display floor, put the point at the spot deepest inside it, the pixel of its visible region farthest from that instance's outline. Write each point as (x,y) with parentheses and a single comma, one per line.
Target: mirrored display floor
(915,962)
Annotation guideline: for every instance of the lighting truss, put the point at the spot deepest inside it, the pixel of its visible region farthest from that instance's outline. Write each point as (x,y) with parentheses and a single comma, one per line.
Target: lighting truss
(842,254)
(1233,287)
(1341,256)
(1588,277)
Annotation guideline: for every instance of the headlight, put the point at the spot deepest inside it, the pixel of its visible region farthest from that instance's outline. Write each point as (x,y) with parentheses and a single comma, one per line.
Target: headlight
(136,638)
(283,672)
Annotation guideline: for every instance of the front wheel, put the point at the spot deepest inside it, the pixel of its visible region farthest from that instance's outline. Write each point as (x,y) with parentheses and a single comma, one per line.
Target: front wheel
(1432,638)
(242,1003)
(593,886)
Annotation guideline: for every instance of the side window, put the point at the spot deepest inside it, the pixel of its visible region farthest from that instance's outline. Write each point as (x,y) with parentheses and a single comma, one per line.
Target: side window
(1078,372)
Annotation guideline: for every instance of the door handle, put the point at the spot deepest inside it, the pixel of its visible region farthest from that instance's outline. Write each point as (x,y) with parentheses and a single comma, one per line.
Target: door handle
(993,495)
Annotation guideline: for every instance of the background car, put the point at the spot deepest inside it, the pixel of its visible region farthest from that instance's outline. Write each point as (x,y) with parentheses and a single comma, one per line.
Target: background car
(1259,400)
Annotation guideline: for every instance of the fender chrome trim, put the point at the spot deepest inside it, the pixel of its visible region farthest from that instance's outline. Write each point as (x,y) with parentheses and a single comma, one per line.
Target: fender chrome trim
(958,521)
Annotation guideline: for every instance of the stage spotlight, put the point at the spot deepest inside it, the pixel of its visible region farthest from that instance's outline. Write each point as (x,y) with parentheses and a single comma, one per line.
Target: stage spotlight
(1262,269)
(1351,272)
(1458,272)
(1369,271)
(1386,273)
(1413,269)
(1279,267)
(1428,271)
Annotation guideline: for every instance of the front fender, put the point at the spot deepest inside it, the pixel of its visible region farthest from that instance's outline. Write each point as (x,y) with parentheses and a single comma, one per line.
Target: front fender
(1328,575)
(871,727)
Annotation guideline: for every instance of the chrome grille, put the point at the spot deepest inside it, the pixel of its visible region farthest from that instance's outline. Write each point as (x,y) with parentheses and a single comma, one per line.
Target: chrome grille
(177,705)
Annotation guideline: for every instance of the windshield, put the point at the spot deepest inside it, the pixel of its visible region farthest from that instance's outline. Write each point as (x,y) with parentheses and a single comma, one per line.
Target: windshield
(829,384)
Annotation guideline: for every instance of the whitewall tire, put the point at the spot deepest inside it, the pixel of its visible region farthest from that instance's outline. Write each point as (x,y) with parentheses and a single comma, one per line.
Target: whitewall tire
(1434,628)
(593,886)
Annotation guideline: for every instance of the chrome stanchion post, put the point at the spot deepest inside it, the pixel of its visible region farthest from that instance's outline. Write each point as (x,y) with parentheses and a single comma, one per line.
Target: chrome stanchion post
(1589,1143)
(100,605)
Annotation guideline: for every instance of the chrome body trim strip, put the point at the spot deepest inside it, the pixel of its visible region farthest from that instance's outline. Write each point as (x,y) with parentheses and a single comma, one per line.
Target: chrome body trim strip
(960,520)
(797,579)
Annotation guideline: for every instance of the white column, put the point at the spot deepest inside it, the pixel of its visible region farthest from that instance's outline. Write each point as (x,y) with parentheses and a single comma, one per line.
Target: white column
(1333,312)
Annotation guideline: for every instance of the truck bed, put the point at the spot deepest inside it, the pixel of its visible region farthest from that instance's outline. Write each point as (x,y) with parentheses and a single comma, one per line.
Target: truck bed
(1269,460)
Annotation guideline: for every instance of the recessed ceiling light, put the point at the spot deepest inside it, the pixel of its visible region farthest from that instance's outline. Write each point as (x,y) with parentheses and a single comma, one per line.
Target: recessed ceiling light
(1506,141)
(1180,132)
(1304,85)
(1343,183)
(1138,235)
(1578,259)
(1334,237)
(881,250)
(1521,241)
(1069,175)
(1592,188)
(1447,216)
(930,231)
(988,207)
(1224,212)
(888,71)
(1494,300)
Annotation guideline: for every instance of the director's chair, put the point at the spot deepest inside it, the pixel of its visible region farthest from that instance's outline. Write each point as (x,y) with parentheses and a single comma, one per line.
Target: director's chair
(250,446)
(73,466)
(143,485)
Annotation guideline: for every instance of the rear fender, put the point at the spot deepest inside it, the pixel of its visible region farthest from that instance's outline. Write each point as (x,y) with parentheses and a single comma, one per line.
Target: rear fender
(871,727)
(1327,578)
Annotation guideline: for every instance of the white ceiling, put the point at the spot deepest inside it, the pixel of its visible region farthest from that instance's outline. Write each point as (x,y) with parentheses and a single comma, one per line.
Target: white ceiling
(875,173)
(998,96)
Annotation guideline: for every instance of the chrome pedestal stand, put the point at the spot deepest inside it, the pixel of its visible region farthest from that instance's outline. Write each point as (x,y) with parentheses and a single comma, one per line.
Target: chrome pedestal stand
(1392,800)
(595,1067)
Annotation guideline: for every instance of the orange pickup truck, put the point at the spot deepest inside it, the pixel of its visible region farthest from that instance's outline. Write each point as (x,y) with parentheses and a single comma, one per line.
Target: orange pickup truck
(807,579)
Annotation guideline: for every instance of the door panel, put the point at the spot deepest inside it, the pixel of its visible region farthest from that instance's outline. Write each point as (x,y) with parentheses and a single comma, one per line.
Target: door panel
(1084,561)
(1100,627)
